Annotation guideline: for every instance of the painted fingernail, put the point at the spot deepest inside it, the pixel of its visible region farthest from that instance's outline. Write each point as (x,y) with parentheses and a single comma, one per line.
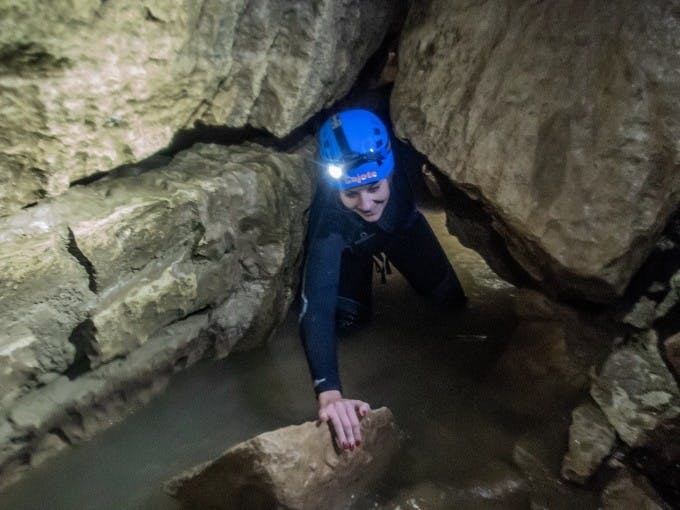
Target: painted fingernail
(358,443)
(345,446)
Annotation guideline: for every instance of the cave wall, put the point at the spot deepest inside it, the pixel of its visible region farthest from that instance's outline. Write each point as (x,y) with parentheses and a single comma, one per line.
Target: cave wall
(89,85)
(554,127)
(559,119)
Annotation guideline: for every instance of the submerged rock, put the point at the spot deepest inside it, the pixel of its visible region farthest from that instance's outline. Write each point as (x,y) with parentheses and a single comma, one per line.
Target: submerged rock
(559,120)
(591,439)
(631,492)
(296,467)
(497,486)
(549,355)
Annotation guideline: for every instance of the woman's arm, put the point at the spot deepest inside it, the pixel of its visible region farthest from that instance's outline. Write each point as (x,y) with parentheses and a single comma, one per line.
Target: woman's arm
(321,277)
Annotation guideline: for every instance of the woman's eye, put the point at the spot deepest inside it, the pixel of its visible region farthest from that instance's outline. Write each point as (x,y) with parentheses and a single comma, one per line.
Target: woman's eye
(350,194)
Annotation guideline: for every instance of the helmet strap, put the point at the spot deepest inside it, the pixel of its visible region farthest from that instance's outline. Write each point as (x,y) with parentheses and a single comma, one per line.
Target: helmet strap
(339,134)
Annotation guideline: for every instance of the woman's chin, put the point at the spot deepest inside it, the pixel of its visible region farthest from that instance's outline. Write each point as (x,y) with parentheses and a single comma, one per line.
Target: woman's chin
(371,218)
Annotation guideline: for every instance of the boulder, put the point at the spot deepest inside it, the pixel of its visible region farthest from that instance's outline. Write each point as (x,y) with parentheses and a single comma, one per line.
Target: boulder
(296,467)
(559,120)
(154,272)
(94,273)
(88,86)
(591,439)
(637,392)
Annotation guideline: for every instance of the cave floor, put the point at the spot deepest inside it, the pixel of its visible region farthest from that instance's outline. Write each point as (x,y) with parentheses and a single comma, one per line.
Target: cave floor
(462,426)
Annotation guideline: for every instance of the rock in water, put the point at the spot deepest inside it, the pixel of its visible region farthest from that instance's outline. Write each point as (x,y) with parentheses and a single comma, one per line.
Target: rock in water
(591,439)
(296,467)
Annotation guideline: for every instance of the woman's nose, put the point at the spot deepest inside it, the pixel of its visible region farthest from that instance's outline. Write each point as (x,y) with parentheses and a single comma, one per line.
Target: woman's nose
(364,202)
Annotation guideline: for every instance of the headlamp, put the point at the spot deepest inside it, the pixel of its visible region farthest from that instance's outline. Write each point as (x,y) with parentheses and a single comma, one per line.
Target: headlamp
(335,171)
(352,161)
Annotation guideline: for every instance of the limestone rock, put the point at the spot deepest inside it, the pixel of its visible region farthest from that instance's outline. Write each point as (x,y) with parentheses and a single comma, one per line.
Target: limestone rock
(631,492)
(672,347)
(636,391)
(559,119)
(44,295)
(94,273)
(296,467)
(88,86)
(591,439)
(175,264)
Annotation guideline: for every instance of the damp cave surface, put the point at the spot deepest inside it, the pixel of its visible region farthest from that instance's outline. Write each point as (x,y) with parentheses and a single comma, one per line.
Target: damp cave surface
(434,370)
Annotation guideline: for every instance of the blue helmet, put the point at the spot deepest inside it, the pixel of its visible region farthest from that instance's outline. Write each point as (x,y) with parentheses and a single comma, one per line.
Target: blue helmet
(355,149)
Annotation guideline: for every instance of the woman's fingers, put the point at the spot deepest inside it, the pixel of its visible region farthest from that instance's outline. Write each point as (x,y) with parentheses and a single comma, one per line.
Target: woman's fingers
(362,408)
(345,415)
(354,422)
(337,427)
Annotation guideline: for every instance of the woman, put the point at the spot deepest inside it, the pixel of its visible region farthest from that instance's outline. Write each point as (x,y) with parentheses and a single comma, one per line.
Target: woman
(363,208)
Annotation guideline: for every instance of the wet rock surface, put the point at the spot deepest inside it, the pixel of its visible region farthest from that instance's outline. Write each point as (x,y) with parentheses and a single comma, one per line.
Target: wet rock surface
(636,391)
(555,119)
(297,467)
(591,439)
(639,395)
(169,266)
(88,86)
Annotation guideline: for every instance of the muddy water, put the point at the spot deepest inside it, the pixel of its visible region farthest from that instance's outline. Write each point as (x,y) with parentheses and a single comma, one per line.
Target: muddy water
(468,440)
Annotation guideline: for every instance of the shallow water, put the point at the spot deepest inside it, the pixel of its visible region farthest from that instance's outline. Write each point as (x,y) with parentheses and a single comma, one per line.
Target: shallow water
(434,370)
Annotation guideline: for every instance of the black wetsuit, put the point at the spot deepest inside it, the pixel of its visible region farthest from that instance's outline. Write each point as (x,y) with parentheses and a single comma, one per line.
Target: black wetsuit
(336,286)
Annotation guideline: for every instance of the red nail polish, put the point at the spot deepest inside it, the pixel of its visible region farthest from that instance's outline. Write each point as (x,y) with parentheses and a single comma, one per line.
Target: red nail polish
(358,443)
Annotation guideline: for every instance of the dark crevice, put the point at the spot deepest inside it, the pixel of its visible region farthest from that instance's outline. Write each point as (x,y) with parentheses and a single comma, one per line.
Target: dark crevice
(196,312)
(82,260)
(31,58)
(150,16)
(83,339)
(61,435)
(367,92)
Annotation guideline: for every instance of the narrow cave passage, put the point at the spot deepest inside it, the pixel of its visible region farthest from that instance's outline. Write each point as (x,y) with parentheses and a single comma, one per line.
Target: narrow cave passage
(471,437)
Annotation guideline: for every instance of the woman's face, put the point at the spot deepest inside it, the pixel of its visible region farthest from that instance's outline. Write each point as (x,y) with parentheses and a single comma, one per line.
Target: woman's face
(367,201)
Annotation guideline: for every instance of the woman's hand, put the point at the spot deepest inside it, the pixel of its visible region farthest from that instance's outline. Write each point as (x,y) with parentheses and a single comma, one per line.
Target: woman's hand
(344,414)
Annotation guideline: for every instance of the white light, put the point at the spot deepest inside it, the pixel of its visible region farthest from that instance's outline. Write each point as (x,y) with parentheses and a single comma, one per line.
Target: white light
(335,171)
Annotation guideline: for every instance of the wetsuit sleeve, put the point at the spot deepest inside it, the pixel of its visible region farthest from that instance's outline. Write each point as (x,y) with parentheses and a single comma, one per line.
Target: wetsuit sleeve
(321,278)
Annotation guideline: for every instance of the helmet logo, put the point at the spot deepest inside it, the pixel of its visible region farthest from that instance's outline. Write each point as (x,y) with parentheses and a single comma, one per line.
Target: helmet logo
(358,179)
